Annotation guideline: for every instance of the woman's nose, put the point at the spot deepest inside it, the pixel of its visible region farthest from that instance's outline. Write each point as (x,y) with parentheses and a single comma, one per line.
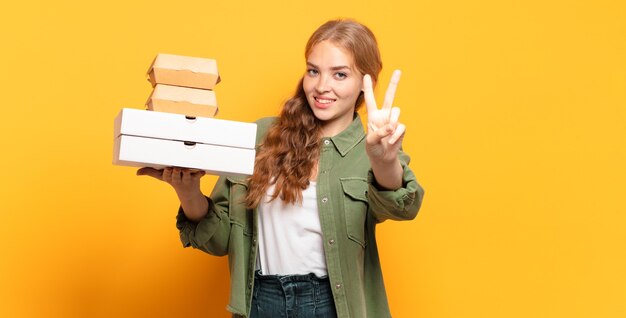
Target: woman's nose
(322,84)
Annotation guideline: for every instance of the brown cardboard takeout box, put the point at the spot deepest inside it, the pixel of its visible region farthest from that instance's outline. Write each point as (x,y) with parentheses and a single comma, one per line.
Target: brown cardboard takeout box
(183,100)
(178,70)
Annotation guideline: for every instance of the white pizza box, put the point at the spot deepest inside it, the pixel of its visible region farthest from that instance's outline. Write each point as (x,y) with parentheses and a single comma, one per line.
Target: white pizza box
(184,71)
(159,125)
(183,100)
(137,151)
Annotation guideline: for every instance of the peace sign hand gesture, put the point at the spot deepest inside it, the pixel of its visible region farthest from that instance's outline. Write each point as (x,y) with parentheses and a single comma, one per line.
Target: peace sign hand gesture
(384,133)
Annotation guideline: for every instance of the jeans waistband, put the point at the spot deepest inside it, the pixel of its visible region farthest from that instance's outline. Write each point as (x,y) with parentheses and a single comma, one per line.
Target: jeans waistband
(289,278)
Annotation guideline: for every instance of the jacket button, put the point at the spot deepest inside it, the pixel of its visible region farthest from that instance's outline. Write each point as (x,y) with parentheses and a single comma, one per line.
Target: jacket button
(327,142)
(324,199)
(338,286)
(331,242)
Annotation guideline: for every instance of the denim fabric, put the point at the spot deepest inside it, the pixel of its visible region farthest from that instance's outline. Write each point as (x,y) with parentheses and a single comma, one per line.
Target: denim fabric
(292,296)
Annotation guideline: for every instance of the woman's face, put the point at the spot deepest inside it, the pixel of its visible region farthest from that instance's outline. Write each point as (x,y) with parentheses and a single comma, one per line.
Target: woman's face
(332,85)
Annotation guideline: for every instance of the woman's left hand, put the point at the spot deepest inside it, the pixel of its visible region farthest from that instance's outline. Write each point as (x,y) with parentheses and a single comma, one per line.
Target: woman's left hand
(384,132)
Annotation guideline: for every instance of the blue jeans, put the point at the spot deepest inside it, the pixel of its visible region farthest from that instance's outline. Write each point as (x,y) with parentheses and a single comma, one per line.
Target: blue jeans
(297,296)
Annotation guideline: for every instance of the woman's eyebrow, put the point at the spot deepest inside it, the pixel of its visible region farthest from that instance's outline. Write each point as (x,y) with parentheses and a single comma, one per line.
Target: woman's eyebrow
(334,68)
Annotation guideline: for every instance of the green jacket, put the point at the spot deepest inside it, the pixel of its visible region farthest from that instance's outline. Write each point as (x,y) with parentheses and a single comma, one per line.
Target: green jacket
(350,206)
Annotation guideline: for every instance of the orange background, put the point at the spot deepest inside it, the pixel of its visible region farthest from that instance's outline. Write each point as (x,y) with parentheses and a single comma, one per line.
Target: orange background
(516,122)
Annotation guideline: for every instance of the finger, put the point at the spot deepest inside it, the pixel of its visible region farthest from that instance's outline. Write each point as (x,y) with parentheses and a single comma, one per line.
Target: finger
(398,135)
(186,178)
(371,128)
(147,171)
(376,136)
(391,89)
(167,175)
(176,178)
(195,176)
(394,116)
(368,94)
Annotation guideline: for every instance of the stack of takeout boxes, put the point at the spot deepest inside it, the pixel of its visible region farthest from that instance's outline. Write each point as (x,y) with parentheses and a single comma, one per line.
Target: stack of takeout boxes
(177,129)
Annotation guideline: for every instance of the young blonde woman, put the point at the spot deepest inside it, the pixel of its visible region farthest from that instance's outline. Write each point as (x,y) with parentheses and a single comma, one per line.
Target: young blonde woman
(300,232)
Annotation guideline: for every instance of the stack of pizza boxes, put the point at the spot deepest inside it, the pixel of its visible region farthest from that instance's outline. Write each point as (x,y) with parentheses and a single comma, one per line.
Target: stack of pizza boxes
(178,128)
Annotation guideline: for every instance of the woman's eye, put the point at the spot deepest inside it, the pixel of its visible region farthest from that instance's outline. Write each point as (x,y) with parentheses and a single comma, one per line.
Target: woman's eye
(311,71)
(341,75)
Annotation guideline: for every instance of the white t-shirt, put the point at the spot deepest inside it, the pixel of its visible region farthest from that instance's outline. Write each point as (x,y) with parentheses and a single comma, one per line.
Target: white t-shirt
(290,236)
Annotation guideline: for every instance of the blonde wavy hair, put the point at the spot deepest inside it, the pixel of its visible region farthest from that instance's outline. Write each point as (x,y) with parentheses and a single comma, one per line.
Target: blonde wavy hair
(291,148)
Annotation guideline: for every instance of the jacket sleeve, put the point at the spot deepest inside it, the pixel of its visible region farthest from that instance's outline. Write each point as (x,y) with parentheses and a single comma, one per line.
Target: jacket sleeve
(212,233)
(400,204)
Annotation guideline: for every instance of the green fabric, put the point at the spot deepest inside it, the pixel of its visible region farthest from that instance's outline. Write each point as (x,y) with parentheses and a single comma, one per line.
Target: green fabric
(350,206)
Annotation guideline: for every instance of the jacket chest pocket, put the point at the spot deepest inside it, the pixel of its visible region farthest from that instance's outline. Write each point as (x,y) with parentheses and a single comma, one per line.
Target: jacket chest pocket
(238,213)
(355,208)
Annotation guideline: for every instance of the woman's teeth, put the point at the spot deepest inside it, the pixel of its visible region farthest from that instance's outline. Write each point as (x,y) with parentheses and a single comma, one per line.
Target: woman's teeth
(324,101)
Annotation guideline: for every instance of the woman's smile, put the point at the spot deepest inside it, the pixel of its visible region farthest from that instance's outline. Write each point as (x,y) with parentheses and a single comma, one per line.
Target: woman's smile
(323,102)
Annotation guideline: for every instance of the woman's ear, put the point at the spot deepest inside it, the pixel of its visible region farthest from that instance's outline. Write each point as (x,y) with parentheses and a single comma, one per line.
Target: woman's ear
(359,100)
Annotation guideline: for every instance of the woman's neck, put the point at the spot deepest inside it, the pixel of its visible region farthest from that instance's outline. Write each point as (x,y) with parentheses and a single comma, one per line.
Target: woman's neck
(334,127)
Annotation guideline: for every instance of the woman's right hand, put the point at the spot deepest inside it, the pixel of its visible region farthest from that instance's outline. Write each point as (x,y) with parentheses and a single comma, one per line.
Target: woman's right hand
(185,181)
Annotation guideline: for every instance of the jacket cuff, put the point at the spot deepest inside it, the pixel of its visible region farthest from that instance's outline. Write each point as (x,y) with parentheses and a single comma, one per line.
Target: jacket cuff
(187,227)
(401,199)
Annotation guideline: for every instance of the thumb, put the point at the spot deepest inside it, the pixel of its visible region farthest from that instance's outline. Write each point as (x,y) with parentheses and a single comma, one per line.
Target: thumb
(147,171)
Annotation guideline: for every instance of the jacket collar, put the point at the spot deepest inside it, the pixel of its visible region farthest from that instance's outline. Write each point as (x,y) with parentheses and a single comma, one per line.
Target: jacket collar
(349,137)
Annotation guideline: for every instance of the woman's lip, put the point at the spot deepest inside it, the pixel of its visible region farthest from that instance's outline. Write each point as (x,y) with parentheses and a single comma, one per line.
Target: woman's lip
(323,105)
